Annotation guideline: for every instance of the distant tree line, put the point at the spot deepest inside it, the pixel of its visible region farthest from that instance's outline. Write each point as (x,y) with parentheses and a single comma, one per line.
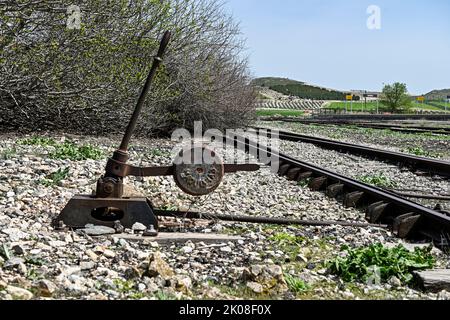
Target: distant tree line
(88,79)
(304,91)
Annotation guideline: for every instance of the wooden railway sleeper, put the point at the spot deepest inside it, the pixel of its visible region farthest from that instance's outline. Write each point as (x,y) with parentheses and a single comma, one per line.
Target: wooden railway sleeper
(352,199)
(335,190)
(405,225)
(317,184)
(376,210)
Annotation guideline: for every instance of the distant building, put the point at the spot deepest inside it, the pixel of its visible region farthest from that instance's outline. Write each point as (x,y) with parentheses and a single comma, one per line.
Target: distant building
(372,95)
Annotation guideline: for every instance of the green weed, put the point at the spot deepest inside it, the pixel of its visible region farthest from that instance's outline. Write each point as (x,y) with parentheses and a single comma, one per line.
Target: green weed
(37,141)
(70,151)
(418,151)
(160,295)
(304,182)
(282,113)
(286,238)
(55,178)
(380,181)
(295,284)
(359,263)
(123,286)
(8,153)
(4,252)
(159,153)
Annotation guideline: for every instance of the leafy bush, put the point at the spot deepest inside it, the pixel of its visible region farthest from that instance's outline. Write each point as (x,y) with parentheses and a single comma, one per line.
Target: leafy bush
(397,261)
(87,80)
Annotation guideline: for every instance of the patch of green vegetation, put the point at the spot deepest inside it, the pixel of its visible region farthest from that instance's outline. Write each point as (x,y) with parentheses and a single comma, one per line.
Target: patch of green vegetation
(441,105)
(8,153)
(127,288)
(33,274)
(168,207)
(427,106)
(279,112)
(304,182)
(124,286)
(35,260)
(161,295)
(288,243)
(379,180)
(360,264)
(418,151)
(70,151)
(234,231)
(159,152)
(305,91)
(296,285)
(4,252)
(357,106)
(283,238)
(38,141)
(372,106)
(55,178)
(136,295)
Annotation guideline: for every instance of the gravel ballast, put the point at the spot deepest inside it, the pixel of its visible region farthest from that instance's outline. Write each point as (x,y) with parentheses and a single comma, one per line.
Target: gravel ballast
(38,262)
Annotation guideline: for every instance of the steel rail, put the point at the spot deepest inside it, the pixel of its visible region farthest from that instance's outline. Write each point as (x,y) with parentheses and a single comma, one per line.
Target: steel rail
(436,166)
(424,196)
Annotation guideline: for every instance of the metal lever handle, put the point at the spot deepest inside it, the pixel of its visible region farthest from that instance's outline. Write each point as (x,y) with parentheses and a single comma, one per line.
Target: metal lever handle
(163,45)
(137,110)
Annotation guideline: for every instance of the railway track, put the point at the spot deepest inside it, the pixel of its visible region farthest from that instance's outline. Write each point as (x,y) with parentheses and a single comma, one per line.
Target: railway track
(407,219)
(384,117)
(434,166)
(392,127)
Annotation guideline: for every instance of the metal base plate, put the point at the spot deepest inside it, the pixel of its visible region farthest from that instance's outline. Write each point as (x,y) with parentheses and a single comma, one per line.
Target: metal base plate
(83,209)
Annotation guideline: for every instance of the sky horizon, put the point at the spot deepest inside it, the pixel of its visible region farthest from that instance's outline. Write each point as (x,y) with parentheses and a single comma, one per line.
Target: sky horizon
(329,43)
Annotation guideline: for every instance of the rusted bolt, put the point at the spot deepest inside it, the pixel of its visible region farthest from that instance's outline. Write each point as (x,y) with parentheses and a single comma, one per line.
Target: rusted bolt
(108,187)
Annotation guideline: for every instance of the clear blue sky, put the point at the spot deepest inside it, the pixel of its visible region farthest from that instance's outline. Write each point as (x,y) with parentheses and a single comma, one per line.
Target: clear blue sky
(327,42)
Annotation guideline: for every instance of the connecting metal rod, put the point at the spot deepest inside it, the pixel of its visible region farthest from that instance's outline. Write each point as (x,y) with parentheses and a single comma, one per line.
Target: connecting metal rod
(265,220)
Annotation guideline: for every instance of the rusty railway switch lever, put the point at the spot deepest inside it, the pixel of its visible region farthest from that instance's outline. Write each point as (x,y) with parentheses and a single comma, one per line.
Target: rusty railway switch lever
(109,208)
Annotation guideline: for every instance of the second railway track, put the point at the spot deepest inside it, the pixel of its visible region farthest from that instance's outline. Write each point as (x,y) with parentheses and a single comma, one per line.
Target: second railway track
(435,166)
(392,127)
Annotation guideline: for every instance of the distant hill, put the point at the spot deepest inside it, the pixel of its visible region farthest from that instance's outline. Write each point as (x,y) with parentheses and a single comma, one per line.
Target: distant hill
(272,81)
(438,94)
(298,89)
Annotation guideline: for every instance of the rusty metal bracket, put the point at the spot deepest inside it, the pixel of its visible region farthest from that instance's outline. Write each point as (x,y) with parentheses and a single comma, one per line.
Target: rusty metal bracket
(82,210)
